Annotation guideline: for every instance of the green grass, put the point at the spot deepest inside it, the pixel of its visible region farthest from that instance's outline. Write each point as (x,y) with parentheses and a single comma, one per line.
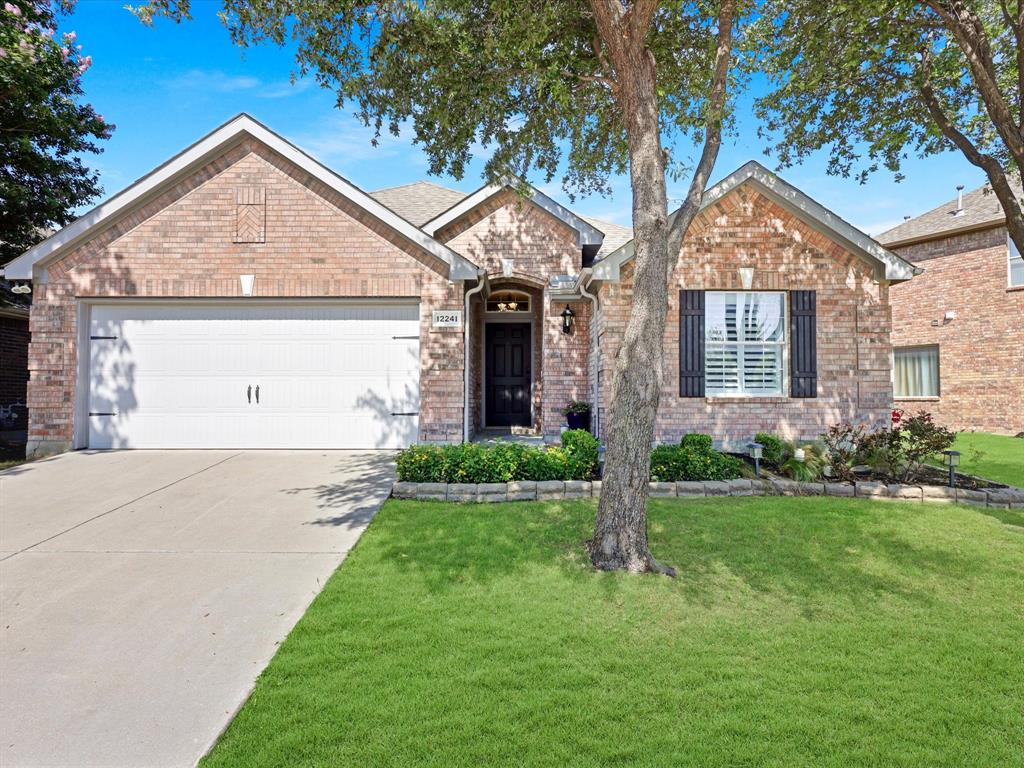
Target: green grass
(802,632)
(1002,457)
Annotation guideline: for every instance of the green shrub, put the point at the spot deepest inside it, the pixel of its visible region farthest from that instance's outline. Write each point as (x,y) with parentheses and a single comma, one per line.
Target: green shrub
(546,464)
(421,464)
(697,441)
(581,453)
(501,462)
(672,463)
(775,452)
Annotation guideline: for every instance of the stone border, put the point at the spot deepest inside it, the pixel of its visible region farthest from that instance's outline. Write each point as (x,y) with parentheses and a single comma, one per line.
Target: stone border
(529,490)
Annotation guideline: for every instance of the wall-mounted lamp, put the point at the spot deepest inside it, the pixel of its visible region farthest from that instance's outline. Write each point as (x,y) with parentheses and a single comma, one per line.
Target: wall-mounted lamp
(21,288)
(247,283)
(567,318)
(746,277)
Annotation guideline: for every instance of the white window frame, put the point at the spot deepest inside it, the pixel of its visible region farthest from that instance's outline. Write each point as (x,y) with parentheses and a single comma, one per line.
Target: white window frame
(784,344)
(1011,254)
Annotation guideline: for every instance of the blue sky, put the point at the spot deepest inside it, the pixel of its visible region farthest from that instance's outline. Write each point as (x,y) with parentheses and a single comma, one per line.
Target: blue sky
(166,86)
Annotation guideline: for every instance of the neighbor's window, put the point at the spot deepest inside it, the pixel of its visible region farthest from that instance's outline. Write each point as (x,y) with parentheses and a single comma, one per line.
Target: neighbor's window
(917,371)
(744,343)
(508,301)
(1016,266)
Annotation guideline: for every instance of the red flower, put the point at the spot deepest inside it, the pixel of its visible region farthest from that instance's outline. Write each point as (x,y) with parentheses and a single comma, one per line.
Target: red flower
(897,416)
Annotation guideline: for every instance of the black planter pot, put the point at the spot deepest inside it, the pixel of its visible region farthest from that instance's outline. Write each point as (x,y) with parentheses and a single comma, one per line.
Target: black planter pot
(578,420)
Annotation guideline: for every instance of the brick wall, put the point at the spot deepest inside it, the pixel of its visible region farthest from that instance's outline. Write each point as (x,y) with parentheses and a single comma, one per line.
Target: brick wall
(566,362)
(981,351)
(14,339)
(183,245)
(747,229)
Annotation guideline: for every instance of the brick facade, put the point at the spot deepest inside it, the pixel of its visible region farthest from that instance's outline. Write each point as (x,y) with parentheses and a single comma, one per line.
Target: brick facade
(981,349)
(746,229)
(181,245)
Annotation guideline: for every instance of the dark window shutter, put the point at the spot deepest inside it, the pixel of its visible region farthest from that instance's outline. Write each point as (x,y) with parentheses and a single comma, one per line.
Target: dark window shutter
(691,343)
(803,355)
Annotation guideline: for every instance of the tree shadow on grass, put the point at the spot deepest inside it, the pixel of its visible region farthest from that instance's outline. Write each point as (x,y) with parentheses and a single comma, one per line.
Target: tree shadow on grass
(810,552)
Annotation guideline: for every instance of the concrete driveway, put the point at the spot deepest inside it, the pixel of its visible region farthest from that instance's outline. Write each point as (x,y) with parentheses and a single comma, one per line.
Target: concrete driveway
(142,592)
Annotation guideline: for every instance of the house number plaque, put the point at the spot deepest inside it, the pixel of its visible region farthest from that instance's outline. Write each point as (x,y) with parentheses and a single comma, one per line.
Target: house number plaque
(447,318)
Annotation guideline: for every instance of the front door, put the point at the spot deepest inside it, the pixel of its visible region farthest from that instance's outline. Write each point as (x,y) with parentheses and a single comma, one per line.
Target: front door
(507,375)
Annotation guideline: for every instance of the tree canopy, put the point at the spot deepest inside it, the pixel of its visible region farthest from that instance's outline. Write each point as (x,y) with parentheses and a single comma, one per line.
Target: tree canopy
(44,127)
(874,80)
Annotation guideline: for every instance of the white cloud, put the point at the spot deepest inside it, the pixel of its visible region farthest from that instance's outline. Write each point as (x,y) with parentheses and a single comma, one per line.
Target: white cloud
(341,140)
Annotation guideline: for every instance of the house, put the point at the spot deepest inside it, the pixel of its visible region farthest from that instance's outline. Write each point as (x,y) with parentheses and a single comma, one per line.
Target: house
(244,295)
(958,329)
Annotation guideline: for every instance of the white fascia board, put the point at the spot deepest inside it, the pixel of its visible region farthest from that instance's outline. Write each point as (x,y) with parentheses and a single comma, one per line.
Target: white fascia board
(894,268)
(195,156)
(586,234)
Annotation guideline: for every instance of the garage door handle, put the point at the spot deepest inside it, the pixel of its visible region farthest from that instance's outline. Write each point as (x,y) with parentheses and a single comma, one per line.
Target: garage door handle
(410,413)
(257,394)
(248,393)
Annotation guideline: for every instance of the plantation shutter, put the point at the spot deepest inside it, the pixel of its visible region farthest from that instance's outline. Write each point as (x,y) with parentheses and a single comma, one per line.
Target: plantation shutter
(803,357)
(691,343)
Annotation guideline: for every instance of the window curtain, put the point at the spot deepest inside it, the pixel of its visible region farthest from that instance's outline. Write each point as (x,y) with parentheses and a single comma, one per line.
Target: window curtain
(917,372)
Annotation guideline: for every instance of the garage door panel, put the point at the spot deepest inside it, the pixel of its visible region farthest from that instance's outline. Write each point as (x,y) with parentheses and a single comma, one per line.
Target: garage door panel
(177,376)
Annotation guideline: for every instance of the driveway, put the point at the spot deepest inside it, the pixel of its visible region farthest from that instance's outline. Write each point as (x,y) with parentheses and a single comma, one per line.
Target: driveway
(142,592)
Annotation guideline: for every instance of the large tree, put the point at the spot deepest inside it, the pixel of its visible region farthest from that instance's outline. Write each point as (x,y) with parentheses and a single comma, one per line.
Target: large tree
(567,87)
(44,127)
(872,79)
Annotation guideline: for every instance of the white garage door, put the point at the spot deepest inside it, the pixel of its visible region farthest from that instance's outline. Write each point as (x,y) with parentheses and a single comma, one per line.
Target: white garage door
(256,376)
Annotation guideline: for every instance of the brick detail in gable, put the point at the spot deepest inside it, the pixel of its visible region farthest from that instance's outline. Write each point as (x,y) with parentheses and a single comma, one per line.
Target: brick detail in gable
(251,215)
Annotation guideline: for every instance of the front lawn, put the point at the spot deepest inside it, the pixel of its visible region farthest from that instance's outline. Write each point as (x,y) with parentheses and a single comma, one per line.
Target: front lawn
(803,632)
(1002,457)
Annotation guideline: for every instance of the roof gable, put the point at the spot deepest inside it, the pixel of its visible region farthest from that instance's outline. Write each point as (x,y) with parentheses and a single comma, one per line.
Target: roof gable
(213,144)
(419,201)
(894,268)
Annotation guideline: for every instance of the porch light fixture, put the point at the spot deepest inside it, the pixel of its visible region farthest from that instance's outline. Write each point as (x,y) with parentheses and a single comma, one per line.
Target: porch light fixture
(952,460)
(21,288)
(567,318)
(756,450)
(247,282)
(746,277)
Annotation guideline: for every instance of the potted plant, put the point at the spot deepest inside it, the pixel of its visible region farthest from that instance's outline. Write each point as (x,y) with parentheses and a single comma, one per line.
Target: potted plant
(577,414)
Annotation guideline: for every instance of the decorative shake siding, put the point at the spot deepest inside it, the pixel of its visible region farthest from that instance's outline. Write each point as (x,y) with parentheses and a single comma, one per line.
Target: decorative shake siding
(981,350)
(182,245)
(853,321)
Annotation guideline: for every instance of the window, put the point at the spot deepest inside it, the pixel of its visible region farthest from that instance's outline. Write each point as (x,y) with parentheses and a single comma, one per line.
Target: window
(917,372)
(744,344)
(1016,266)
(508,301)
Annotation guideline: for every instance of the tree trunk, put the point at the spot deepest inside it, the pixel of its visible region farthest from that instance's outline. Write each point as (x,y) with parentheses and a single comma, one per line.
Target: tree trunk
(620,532)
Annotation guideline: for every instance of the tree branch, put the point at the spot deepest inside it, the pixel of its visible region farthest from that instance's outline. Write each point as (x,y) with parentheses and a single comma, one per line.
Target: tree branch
(970,35)
(712,132)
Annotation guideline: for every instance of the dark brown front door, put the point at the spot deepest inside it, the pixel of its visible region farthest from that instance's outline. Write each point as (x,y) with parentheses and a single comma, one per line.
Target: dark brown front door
(507,375)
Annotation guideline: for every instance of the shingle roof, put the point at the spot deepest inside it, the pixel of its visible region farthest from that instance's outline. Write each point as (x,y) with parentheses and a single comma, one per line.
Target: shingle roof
(615,235)
(418,202)
(980,208)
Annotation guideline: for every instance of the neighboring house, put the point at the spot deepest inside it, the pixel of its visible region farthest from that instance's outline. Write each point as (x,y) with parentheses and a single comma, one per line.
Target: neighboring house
(958,329)
(14,338)
(244,295)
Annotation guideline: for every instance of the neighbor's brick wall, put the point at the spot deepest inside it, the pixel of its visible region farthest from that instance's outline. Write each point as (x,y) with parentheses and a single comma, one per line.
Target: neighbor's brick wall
(180,245)
(981,352)
(747,229)
(566,362)
(14,340)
